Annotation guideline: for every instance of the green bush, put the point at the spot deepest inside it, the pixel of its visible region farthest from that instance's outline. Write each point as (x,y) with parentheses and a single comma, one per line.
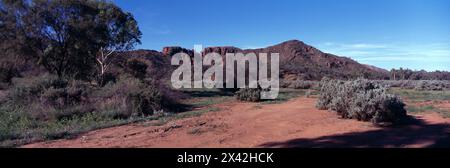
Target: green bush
(249,94)
(362,100)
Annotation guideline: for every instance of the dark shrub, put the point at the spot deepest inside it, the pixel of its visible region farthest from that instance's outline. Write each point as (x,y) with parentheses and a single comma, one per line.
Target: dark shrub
(249,94)
(50,98)
(106,78)
(137,68)
(29,89)
(133,97)
(7,72)
(75,93)
(145,102)
(362,100)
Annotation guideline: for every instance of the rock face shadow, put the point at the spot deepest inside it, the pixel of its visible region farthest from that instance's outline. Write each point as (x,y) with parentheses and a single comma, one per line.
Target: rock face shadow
(410,134)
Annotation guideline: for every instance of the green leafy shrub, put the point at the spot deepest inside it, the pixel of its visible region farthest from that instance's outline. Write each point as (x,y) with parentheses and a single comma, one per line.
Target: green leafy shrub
(362,100)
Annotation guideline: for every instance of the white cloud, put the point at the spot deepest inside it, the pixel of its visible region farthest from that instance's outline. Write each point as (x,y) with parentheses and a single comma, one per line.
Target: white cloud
(363,46)
(414,55)
(252,47)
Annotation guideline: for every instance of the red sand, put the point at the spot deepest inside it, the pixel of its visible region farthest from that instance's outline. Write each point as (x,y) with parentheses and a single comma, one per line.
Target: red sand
(296,123)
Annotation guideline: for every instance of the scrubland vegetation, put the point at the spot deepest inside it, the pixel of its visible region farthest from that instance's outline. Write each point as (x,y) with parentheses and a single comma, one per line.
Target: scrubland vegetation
(421,85)
(362,100)
(62,72)
(65,69)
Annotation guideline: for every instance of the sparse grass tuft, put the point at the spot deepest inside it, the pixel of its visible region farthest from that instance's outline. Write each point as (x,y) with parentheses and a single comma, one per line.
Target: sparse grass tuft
(419,109)
(286,95)
(421,96)
(428,108)
(195,131)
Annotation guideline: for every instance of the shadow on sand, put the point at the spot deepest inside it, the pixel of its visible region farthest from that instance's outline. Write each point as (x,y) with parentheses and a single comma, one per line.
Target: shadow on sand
(207,94)
(414,131)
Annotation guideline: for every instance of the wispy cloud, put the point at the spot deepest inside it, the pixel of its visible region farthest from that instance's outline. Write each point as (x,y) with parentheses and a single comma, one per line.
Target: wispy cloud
(431,56)
(363,46)
(252,47)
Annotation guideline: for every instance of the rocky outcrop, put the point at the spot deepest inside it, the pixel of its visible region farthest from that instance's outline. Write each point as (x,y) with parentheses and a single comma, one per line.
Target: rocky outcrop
(172,50)
(221,50)
(297,61)
(309,63)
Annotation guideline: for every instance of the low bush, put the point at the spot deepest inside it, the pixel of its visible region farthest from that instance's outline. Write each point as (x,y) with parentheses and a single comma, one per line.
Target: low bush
(47,107)
(432,85)
(137,68)
(249,94)
(420,85)
(362,100)
(133,97)
(299,84)
(7,72)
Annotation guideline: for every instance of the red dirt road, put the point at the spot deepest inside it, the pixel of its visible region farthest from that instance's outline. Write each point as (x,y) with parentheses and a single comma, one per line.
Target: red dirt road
(296,123)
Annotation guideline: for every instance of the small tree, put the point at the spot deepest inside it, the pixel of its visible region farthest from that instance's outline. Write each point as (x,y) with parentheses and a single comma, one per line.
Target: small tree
(122,34)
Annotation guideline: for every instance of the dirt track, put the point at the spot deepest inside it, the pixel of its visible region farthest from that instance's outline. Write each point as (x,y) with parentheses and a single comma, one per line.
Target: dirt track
(292,124)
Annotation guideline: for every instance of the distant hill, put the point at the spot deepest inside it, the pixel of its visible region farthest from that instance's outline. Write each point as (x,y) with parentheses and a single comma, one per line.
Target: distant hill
(297,61)
(302,61)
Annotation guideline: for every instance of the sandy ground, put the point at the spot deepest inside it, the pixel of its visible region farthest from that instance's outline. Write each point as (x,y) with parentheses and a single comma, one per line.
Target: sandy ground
(296,123)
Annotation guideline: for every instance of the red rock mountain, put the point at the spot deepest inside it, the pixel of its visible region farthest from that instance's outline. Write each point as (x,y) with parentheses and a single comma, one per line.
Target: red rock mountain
(297,61)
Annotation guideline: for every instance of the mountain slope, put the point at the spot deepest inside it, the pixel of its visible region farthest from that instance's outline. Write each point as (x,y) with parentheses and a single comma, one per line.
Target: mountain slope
(301,61)
(297,61)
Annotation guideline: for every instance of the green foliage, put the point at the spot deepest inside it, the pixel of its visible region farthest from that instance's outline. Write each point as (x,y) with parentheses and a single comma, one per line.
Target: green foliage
(65,36)
(46,107)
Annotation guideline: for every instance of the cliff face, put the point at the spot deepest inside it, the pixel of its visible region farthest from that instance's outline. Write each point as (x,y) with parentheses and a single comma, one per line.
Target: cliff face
(297,61)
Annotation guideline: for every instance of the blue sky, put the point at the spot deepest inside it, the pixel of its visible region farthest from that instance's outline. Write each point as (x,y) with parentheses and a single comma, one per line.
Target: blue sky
(386,33)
